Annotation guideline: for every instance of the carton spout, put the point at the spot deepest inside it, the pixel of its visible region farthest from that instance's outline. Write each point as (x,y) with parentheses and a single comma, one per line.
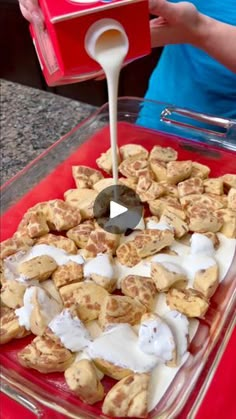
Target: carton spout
(105,34)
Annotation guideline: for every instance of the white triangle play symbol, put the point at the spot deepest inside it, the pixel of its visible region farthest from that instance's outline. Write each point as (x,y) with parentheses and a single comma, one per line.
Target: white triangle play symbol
(116,209)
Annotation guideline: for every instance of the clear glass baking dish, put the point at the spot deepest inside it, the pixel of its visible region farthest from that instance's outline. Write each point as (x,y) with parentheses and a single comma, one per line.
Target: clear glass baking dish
(196,136)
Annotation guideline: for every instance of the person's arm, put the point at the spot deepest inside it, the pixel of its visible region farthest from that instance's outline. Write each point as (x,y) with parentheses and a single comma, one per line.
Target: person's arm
(181,23)
(31,11)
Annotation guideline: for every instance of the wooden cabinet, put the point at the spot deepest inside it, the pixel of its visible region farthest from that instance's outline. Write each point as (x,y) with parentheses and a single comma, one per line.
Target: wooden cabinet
(19,63)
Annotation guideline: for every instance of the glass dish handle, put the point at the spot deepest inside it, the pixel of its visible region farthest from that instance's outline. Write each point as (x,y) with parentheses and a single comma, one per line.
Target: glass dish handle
(229,126)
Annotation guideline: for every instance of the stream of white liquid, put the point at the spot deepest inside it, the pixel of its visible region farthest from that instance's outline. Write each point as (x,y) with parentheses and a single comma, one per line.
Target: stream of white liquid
(110,52)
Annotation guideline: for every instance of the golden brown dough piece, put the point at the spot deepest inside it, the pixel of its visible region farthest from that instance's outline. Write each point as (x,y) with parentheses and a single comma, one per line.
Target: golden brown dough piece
(200,170)
(165,278)
(158,206)
(59,241)
(46,354)
(127,254)
(232,199)
(82,199)
(81,377)
(134,168)
(62,216)
(202,220)
(12,293)
(86,297)
(189,302)
(19,241)
(39,267)
(207,280)
(132,150)
(228,218)
(164,154)
(148,190)
(101,241)
(34,223)
(194,185)
(67,274)
(177,171)
(179,226)
(128,398)
(229,181)
(104,162)
(159,169)
(141,288)
(111,370)
(120,309)
(9,326)
(85,177)
(214,186)
(149,242)
(80,234)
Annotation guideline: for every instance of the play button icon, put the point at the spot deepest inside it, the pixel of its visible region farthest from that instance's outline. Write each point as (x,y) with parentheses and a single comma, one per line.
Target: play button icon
(118,209)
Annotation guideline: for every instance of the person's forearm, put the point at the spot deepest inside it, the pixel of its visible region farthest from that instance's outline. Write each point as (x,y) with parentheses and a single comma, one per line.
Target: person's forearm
(218,39)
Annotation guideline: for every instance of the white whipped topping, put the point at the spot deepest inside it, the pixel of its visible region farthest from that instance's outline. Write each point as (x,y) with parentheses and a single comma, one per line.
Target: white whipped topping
(70,330)
(100,265)
(201,244)
(156,338)
(119,345)
(49,308)
(173,267)
(59,255)
(153,225)
(179,325)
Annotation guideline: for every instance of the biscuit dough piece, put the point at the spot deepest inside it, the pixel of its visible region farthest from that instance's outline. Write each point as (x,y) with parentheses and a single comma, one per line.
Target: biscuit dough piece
(68,274)
(228,218)
(229,181)
(120,309)
(34,223)
(159,169)
(158,206)
(85,177)
(140,288)
(207,280)
(201,220)
(104,162)
(132,396)
(149,242)
(214,186)
(148,190)
(19,241)
(194,185)
(167,277)
(101,241)
(59,241)
(170,190)
(189,302)
(207,201)
(12,293)
(134,168)
(80,234)
(130,182)
(46,354)
(232,199)
(179,226)
(62,216)
(9,326)
(103,184)
(127,254)
(200,170)
(82,199)
(86,297)
(132,150)
(177,171)
(39,267)
(111,370)
(81,377)
(165,154)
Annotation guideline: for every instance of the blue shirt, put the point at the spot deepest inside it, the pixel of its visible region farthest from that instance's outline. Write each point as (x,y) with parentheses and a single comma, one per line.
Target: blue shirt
(189,78)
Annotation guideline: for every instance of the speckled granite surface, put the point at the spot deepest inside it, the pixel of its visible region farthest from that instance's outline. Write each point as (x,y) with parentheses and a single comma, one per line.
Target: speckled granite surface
(32,120)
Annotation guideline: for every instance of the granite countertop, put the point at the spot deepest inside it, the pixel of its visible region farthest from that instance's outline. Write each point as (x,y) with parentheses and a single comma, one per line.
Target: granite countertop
(31,121)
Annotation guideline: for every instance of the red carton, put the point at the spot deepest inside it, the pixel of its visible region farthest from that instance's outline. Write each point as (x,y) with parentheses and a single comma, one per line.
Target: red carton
(60,46)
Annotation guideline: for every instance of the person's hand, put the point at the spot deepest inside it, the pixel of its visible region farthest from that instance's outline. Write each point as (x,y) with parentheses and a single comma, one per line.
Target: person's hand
(177,23)
(31,11)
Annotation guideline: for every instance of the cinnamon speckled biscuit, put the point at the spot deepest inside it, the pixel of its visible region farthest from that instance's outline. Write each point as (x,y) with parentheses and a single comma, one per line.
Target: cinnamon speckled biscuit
(59,241)
(179,226)
(207,280)
(149,242)
(139,287)
(19,241)
(177,171)
(67,274)
(135,168)
(9,326)
(232,199)
(104,162)
(62,216)
(39,267)
(128,398)
(200,170)
(133,150)
(127,254)
(229,181)
(120,309)
(164,154)
(194,185)
(202,220)
(159,169)
(80,234)
(187,301)
(85,177)
(82,199)
(81,377)
(148,190)
(214,186)
(101,241)
(12,293)
(45,354)
(165,278)
(228,219)
(86,297)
